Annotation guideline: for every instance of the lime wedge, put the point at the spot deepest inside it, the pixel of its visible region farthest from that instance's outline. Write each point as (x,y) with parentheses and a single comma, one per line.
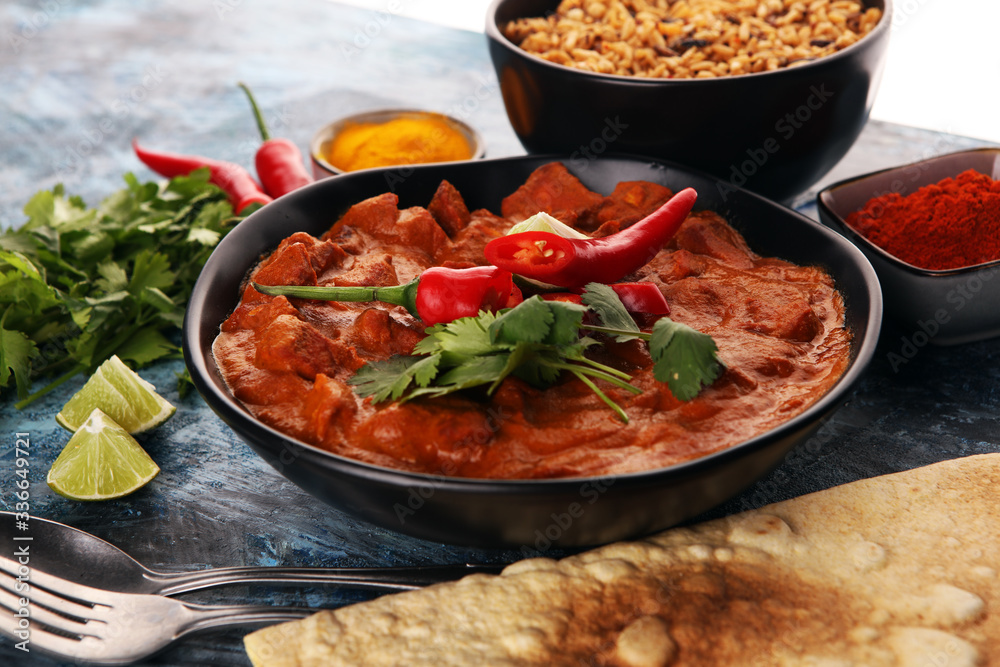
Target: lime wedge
(122,395)
(101,461)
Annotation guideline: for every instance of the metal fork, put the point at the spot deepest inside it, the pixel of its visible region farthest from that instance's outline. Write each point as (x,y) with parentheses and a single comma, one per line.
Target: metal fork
(89,625)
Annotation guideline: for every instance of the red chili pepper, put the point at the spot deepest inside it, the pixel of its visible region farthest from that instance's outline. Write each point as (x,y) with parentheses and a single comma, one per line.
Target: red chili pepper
(279,161)
(642,298)
(516,296)
(438,295)
(636,297)
(234,180)
(564,262)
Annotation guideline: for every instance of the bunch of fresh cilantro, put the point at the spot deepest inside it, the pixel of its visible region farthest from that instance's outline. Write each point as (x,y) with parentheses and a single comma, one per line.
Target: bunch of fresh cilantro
(79,284)
(538,341)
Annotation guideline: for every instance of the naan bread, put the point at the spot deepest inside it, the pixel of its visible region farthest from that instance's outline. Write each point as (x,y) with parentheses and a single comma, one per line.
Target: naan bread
(900,570)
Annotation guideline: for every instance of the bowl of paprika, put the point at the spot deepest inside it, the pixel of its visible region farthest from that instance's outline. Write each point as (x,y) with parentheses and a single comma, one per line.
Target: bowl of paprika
(931,230)
(392,138)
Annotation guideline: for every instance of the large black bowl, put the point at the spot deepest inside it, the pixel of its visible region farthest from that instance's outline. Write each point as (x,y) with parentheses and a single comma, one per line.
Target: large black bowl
(775,133)
(533,513)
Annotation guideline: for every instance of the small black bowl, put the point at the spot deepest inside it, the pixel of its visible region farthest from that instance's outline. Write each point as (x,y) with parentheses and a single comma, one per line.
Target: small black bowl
(945,307)
(775,133)
(536,514)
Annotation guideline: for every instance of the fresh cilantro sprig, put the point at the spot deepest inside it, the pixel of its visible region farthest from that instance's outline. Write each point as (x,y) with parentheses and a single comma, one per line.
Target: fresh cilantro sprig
(686,359)
(78,284)
(537,341)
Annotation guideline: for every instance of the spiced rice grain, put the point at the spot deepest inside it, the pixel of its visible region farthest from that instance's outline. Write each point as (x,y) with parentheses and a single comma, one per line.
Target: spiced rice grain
(692,38)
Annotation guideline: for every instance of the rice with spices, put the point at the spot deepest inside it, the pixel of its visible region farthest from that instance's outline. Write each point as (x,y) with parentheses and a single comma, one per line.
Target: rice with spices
(692,38)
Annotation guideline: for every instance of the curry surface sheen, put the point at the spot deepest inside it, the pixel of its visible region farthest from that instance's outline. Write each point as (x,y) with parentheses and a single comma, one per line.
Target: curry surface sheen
(779,327)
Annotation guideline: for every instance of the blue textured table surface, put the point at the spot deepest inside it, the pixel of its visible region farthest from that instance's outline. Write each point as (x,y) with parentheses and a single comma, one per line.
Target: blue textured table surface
(80,80)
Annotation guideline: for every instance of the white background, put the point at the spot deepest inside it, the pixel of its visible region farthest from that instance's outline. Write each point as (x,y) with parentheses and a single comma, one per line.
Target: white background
(942,73)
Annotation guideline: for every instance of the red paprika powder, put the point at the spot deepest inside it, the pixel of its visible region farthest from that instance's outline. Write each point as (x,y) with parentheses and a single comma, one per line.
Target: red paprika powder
(951,224)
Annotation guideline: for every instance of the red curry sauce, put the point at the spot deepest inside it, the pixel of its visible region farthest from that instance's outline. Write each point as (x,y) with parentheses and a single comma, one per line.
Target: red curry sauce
(779,327)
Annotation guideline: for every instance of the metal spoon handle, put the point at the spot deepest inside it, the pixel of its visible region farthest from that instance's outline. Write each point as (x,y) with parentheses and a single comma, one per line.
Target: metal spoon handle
(203,617)
(383,579)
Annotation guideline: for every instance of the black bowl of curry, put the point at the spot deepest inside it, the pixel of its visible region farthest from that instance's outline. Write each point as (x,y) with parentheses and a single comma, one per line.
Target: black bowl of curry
(794,308)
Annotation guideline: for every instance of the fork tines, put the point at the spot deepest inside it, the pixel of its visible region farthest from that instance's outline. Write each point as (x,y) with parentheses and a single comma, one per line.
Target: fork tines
(59,614)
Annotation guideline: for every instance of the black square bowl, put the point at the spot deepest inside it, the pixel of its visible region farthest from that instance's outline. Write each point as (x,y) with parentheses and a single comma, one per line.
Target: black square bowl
(947,307)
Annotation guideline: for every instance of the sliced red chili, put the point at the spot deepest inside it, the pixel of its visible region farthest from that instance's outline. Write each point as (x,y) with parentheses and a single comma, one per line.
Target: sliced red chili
(556,260)
(643,298)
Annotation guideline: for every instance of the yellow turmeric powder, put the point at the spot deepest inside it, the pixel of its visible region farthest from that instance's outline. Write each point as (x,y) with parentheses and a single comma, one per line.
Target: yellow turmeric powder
(403,140)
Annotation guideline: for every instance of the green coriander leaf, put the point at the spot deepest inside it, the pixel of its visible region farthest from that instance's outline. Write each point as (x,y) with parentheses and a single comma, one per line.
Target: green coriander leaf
(430,343)
(184,383)
(566,320)
(684,358)
(460,339)
(31,298)
(389,379)
(203,236)
(12,241)
(151,269)
(155,226)
(474,372)
(186,187)
(154,297)
(19,261)
(145,346)
(88,247)
(106,277)
(425,370)
(527,322)
(610,310)
(16,353)
(535,365)
(113,277)
(55,211)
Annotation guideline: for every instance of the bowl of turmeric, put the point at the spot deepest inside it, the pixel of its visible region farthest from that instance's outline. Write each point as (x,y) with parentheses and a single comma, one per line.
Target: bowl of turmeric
(392,138)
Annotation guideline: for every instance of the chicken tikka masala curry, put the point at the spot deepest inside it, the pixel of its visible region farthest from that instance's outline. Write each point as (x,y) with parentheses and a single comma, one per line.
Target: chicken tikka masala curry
(779,329)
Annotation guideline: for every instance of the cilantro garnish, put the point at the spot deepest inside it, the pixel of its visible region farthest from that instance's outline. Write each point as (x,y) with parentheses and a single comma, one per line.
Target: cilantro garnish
(78,284)
(610,311)
(537,341)
(683,358)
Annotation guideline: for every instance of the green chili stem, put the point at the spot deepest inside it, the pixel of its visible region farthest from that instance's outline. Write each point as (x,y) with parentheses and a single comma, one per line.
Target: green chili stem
(261,125)
(398,295)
